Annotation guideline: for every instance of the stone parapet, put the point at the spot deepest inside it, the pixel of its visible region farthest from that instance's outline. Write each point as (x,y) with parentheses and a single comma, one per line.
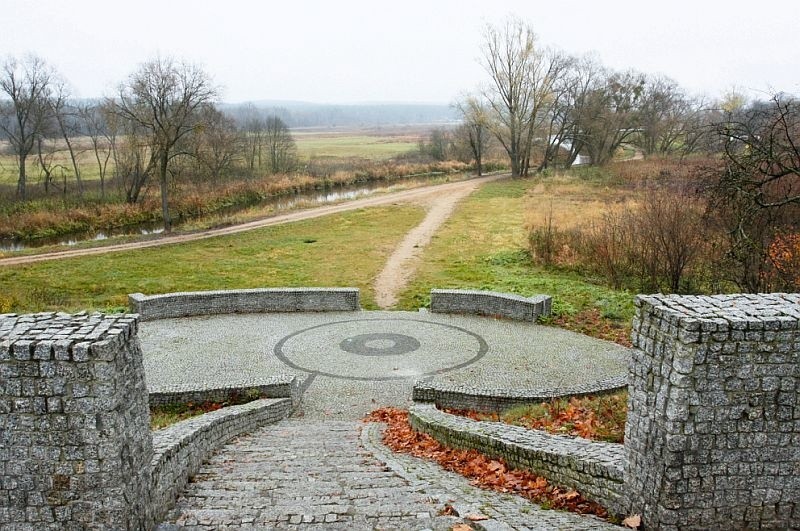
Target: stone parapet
(451,396)
(490,303)
(186,304)
(592,468)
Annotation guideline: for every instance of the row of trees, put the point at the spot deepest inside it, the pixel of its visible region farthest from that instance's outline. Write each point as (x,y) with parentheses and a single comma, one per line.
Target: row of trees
(544,106)
(162,119)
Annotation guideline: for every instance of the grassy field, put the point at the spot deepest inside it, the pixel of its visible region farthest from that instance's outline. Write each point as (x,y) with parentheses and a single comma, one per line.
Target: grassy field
(483,246)
(344,145)
(342,250)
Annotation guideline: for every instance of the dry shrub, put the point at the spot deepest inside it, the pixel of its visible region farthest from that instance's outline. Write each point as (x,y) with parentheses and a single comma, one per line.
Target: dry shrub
(784,255)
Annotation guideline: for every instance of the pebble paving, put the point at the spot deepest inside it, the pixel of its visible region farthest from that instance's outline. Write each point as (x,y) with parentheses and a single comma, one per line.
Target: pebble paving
(396,349)
(325,469)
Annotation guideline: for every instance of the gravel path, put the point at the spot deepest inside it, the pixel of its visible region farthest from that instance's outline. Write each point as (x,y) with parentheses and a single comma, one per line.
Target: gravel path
(337,475)
(423,194)
(402,264)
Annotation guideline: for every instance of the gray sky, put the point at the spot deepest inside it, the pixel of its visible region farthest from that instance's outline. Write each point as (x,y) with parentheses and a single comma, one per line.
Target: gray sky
(343,51)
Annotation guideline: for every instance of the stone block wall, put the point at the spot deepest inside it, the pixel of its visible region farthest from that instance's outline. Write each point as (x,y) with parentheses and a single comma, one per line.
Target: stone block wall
(713,432)
(75,446)
(180,449)
(592,468)
(490,303)
(244,301)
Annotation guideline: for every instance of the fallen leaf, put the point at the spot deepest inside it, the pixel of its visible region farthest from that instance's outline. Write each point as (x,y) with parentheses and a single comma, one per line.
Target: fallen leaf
(448,510)
(634,521)
(461,527)
(476,517)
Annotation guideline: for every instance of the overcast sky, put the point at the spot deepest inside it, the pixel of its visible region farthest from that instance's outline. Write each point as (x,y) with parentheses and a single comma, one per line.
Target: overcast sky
(342,51)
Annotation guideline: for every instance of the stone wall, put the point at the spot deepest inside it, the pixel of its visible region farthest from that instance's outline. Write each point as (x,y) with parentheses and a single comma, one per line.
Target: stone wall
(713,433)
(244,301)
(490,303)
(75,447)
(280,386)
(180,449)
(451,396)
(592,468)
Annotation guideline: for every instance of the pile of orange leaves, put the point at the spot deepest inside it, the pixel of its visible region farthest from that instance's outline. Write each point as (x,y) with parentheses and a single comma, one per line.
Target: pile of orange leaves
(483,471)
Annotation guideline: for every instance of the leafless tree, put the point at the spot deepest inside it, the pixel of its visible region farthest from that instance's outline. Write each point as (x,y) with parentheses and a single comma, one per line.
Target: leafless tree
(163,98)
(65,115)
(102,132)
(475,115)
(280,145)
(757,193)
(23,117)
(216,145)
(507,57)
(610,114)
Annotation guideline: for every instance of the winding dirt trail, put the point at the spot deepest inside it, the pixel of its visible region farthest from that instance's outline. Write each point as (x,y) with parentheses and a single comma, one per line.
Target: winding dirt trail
(424,195)
(403,262)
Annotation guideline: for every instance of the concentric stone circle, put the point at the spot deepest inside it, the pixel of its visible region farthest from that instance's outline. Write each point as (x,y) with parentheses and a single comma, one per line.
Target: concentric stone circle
(398,349)
(380,344)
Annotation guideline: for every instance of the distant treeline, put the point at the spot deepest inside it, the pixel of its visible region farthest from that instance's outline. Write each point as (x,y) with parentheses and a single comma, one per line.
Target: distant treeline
(300,114)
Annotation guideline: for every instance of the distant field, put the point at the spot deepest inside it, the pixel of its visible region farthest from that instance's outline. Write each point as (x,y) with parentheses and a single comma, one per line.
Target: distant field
(344,145)
(359,144)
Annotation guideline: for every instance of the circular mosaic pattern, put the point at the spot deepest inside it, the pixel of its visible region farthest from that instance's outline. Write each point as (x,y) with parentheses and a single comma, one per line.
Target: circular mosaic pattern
(379,344)
(398,349)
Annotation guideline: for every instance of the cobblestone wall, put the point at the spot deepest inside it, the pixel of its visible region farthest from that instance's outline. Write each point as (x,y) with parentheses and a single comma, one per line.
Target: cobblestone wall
(244,301)
(281,386)
(490,303)
(713,433)
(451,396)
(180,449)
(75,447)
(592,468)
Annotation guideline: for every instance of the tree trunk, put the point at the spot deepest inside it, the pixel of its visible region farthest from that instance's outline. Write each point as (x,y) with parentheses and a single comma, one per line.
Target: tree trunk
(162,174)
(21,182)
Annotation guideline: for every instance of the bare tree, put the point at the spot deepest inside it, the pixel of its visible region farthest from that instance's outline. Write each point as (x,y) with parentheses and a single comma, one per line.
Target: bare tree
(102,135)
(475,114)
(507,57)
(757,194)
(163,97)
(65,115)
(216,145)
(24,116)
(280,145)
(610,114)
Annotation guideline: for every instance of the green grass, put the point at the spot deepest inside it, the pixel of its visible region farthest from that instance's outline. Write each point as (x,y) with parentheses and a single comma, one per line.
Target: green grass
(347,249)
(347,145)
(483,246)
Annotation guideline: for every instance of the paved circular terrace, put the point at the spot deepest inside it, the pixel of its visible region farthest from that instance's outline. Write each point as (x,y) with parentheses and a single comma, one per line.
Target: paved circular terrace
(353,362)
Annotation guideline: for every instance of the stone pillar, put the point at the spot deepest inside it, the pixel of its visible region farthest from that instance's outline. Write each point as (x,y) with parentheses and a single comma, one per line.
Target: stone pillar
(75,445)
(713,433)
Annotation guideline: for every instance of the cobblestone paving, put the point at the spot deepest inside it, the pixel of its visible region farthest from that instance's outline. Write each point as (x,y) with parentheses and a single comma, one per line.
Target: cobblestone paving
(355,361)
(337,475)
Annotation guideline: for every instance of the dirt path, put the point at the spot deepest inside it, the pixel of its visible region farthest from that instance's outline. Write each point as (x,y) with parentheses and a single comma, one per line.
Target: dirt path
(403,262)
(424,195)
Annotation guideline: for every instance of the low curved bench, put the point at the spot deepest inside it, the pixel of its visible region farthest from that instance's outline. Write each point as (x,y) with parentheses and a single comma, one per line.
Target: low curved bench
(262,300)
(496,400)
(490,303)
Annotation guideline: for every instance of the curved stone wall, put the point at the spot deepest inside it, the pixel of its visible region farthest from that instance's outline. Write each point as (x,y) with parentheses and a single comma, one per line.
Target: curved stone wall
(595,469)
(490,303)
(262,300)
(496,400)
(281,386)
(180,449)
